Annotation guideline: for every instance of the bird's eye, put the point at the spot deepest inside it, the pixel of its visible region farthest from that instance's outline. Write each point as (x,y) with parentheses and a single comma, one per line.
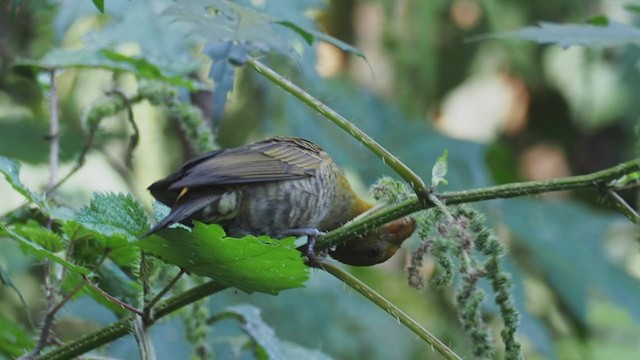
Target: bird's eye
(373,253)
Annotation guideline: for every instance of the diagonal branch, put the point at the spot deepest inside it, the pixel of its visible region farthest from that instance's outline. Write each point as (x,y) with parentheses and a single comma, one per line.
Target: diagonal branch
(596,180)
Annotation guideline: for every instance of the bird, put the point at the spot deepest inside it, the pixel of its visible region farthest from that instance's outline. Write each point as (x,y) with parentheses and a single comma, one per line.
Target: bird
(278,187)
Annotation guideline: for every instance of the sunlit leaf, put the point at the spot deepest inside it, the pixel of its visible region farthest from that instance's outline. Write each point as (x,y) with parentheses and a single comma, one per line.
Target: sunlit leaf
(250,263)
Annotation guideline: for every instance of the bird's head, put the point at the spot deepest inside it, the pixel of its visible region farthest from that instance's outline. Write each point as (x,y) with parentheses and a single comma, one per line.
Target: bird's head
(377,246)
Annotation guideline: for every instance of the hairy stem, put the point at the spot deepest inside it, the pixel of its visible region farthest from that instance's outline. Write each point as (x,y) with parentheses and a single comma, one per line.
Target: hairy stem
(596,180)
(390,308)
(123,327)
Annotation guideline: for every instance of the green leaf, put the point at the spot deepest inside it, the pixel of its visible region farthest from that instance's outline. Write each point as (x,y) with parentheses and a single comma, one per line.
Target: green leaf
(116,221)
(42,236)
(35,249)
(249,264)
(6,280)
(260,332)
(114,214)
(99,4)
(566,35)
(105,58)
(439,170)
(14,338)
(11,171)
(310,35)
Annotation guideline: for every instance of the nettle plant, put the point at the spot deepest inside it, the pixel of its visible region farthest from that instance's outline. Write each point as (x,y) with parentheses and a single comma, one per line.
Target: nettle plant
(99,250)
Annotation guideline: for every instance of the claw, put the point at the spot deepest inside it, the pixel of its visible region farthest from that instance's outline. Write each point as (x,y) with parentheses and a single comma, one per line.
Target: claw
(308,250)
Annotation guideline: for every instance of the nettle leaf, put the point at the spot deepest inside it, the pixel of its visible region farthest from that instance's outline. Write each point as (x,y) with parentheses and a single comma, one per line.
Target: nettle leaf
(116,221)
(249,264)
(42,236)
(439,170)
(99,4)
(602,34)
(259,331)
(114,214)
(108,59)
(33,248)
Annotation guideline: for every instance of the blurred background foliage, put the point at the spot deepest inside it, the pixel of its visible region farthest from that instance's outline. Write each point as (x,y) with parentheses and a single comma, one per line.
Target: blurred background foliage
(506,110)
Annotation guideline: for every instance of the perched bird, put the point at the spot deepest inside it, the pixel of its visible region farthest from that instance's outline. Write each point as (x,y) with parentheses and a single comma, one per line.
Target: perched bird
(277,187)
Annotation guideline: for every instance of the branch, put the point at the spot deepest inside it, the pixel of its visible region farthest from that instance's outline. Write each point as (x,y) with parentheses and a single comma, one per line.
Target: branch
(394,163)
(123,327)
(597,180)
(390,308)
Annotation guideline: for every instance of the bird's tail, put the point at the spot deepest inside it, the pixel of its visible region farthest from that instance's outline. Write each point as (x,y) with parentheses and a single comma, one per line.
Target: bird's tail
(185,209)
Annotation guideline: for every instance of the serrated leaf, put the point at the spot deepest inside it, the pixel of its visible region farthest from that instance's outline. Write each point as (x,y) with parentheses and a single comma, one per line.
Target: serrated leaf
(260,332)
(116,220)
(114,214)
(249,264)
(42,236)
(439,170)
(566,35)
(35,249)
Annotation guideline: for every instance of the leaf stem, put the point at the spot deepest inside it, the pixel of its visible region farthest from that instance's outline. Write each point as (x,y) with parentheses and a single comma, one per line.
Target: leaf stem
(390,308)
(394,163)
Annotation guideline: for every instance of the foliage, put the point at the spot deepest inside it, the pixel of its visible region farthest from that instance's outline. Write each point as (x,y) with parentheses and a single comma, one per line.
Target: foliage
(552,266)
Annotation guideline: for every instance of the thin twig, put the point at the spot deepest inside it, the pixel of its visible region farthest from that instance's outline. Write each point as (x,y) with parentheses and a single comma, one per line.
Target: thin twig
(54,132)
(111,298)
(163,292)
(135,137)
(623,206)
(390,308)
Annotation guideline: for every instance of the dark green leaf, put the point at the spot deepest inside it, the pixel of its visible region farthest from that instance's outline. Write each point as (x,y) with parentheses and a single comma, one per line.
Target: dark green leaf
(250,263)
(99,4)
(14,338)
(260,332)
(42,236)
(599,20)
(6,280)
(35,249)
(566,35)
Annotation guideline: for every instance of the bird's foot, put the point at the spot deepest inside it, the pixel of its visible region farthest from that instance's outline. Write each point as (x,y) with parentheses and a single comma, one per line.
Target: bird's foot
(313,258)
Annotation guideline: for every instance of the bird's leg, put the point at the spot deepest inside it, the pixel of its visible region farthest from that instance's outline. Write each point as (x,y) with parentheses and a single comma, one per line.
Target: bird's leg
(309,249)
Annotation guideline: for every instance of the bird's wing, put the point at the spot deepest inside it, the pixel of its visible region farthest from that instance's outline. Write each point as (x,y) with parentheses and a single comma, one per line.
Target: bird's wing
(269,160)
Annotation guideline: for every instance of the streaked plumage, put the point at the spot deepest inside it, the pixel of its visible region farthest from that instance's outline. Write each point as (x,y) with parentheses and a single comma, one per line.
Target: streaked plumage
(272,187)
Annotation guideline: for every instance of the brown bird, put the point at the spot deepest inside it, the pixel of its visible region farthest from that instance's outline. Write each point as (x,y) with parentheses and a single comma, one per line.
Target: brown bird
(277,187)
